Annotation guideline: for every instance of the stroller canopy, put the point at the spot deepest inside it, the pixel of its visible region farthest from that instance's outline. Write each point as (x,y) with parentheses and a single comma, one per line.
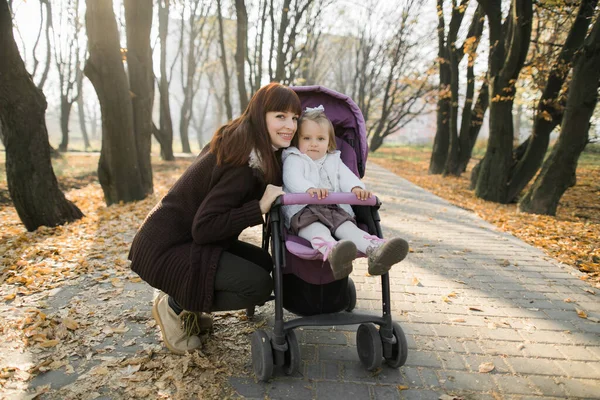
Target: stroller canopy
(347,120)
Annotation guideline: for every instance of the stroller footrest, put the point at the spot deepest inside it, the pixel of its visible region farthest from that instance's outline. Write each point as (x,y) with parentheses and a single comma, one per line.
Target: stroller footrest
(333,319)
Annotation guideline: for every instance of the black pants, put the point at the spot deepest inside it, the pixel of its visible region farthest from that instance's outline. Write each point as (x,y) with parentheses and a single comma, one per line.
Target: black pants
(243,277)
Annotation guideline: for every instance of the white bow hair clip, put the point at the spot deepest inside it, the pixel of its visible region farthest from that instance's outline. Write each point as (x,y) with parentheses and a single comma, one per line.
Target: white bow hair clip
(318,108)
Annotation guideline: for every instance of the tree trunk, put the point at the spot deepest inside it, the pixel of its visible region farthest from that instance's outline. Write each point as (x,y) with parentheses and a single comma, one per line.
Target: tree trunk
(81,109)
(509,47)
(184,125)
(241,51)
(31,181)
(468,137)
(559,171)
(138,17)
(118,168)
(441,141)
(549,108)
(65,113)
(223,58)
(165,121)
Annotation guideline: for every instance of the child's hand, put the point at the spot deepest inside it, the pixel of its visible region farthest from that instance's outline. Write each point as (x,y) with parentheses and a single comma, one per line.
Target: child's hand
(361,194)
(319,193)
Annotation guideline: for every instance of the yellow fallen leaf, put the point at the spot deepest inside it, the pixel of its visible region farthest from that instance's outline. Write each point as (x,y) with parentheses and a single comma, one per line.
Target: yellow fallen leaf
(416,282)
(49,343)
(581,313)
(70,324)
(116,282)
(445,299)
(567,300)
(402,387)
(10,296)
(486,367)
(452,294)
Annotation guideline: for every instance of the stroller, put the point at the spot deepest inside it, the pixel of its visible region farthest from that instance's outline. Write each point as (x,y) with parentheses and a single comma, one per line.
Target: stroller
(304,283)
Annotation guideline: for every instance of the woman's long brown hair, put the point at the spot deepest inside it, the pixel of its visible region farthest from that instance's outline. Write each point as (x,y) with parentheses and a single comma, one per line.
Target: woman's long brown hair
(233,142)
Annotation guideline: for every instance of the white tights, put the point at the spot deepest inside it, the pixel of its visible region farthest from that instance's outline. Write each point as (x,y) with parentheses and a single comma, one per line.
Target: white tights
(347,231)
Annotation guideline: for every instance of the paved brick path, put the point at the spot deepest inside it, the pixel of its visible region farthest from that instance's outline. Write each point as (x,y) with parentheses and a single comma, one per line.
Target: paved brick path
(467,294)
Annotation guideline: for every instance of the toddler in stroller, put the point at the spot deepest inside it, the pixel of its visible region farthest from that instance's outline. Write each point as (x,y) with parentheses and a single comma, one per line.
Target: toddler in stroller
(304,226)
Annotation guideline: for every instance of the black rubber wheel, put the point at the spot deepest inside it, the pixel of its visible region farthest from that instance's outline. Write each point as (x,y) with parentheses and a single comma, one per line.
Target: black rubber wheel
(400,349)
(368,346)
(292,355)
(262,355)
(351,295)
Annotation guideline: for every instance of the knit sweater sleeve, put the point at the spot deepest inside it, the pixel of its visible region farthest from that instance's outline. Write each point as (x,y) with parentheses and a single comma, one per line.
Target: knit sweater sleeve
(225,211)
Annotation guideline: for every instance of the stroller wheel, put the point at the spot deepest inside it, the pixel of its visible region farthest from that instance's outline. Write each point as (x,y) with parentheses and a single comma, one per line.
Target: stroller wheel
(262,355)
(351,295)
(292,355)
(368,346)
(399,349)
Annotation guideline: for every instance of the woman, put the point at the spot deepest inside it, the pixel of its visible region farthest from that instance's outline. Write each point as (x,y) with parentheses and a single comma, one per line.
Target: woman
(188,245)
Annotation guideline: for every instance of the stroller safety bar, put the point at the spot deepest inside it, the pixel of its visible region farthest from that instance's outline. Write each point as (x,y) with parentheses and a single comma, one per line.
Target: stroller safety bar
(332,198)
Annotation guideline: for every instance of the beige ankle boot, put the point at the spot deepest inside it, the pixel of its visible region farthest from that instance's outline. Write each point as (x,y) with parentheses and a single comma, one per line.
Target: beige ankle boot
(340,258)
(172,327)
(382,257)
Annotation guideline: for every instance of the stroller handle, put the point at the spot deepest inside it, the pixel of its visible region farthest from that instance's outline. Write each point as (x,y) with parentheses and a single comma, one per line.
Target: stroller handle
(332,198)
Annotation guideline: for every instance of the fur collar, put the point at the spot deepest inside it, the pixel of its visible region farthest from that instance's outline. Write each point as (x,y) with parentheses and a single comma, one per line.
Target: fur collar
(254,161)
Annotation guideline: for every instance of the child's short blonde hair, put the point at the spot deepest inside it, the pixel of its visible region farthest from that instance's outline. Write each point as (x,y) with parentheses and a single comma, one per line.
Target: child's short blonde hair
(318,116)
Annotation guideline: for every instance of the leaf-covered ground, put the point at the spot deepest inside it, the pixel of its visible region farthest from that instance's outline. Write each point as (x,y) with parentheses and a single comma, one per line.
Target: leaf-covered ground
(571,237)
(70,312)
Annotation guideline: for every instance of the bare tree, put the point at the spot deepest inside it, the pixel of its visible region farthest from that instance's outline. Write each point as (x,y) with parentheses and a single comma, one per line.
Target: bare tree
(223,59)
(164,135)
(508,50)
(138,17)
(81,109)
(405,85)
(241,51)
(31,181)
(118,169)
(550,106)
(196,40)
(47,17)
(462,144)
(67,49)
(559,170)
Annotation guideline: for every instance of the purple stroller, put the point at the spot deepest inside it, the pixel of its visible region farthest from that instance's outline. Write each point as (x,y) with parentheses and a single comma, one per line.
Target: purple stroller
(304,284)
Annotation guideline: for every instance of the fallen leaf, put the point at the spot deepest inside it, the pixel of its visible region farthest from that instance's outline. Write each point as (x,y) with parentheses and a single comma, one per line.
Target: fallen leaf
(567,300)
(416,282)
(475,309)
(486,367)
(49,343)
(70,324)
(402,387)
(459,320)
(581,313)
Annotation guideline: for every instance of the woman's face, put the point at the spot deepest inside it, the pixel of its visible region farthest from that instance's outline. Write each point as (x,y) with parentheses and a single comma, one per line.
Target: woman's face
(282,127)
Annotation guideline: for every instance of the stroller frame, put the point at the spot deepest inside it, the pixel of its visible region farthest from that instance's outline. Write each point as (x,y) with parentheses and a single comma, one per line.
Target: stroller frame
(280,347)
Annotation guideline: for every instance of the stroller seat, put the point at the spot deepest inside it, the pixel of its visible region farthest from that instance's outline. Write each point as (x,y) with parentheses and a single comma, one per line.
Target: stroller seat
(304,283)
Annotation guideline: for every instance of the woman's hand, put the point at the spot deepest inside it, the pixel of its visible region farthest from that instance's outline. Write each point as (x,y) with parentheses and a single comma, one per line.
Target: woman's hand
(319,193)
(361,193)
(269,196)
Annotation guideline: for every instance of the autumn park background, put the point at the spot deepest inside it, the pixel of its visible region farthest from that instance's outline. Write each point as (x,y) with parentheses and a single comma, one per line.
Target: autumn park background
(491,105)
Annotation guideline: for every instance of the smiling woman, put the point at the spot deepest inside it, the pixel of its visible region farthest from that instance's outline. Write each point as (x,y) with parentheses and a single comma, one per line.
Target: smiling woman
(188,245)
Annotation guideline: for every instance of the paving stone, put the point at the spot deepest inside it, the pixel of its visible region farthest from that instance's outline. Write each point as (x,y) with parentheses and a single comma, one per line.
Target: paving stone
(338,353)
(458,380)
(247,388)
(385,392)
(324,337)
(579,369)
(548,386)
(293,389)
(534,366)
(423,359)
(510,384)
(336,390)
(588,389)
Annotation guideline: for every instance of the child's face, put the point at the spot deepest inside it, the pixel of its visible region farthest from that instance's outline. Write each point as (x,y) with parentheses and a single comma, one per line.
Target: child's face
(313,140)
